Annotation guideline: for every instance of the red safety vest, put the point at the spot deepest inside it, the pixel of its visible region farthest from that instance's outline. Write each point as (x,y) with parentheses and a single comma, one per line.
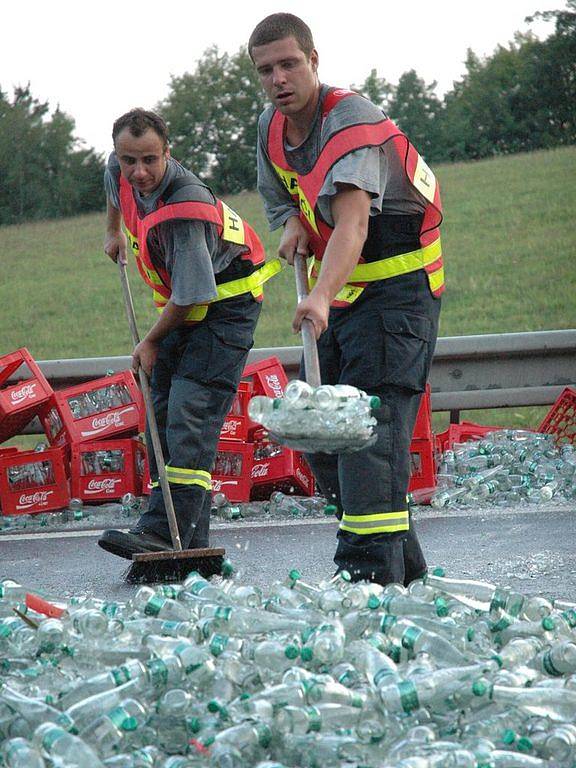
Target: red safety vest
(305,188)
(231,228)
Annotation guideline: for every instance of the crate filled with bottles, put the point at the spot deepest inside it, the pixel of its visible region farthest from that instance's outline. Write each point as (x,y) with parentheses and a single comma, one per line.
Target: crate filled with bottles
(106,470)
(111,406)
(231,473)
(235,425)
(33,481)
(20,400)
(277,468)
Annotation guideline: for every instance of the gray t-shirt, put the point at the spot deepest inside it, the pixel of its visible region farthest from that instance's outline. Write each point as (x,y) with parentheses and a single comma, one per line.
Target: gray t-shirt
(190,251)
(377,170)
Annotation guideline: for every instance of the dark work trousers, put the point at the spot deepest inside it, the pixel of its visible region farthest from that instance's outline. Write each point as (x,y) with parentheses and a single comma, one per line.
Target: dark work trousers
(383,343)
(193,384)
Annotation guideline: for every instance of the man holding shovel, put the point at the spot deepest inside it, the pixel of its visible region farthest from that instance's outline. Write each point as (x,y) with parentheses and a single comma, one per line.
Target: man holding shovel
(205,266)
(350,190)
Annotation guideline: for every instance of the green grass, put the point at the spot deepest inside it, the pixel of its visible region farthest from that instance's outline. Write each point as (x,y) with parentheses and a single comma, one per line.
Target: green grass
(508,244)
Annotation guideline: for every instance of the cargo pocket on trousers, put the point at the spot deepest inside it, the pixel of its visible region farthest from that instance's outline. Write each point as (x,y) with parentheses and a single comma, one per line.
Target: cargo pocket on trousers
(406,349)
(229,349)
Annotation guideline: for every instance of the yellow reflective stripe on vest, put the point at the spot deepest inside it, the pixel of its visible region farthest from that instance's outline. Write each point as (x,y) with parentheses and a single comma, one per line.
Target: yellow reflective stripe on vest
(250,283)
(196,313)
(233,226)
(182,476)
(382,522)
(436,279)
(394,265)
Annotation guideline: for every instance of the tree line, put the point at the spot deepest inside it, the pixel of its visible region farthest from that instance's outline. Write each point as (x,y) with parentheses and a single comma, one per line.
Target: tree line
(521,98)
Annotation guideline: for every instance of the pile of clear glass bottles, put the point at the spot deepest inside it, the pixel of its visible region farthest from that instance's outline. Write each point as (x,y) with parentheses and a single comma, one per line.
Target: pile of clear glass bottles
(448,672)
(506,467)
(329,411)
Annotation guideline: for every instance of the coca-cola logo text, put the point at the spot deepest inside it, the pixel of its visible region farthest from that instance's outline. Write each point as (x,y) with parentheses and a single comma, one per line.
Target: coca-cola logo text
(260,470)
(274,384)
(24,393)
(218,484)
(110,420)
(105,485)
(302,477)
(231,426)
(39,498)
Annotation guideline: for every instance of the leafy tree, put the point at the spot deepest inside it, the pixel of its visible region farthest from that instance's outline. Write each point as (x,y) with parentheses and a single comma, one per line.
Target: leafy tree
(378,90)
(212,114)
(43,173)
(418,111)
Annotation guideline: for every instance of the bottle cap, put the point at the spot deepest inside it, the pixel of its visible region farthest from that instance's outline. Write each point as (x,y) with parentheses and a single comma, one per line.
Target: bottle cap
(330,510)
(291,652)
(479,687)
(373,602)
(548,623)
(213,706)
(439,571)
(441,606)
(294,574)
(375,402)
(524,744)
(193,724)
(227,567)
(306,654)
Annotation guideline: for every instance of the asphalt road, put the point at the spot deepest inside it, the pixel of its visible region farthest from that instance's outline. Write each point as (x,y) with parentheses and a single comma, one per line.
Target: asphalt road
(531,549)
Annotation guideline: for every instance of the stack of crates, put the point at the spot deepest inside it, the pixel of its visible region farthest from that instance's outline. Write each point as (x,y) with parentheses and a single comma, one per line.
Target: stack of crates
(274,467)
(97,424)
(30,481)
(422,448)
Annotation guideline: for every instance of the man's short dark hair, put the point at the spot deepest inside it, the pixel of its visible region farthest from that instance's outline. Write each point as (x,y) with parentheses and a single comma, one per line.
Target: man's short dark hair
(278,26)
(138,121)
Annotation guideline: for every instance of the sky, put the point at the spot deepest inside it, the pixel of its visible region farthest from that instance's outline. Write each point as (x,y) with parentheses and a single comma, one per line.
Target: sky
(98,59)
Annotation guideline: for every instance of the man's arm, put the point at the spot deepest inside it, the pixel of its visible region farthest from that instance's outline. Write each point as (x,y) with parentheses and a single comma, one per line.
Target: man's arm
(146,352)
(350,210)
(114,240)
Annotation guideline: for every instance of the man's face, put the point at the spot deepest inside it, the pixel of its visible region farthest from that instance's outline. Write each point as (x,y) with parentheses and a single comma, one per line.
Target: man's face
(287,75)
(142,159)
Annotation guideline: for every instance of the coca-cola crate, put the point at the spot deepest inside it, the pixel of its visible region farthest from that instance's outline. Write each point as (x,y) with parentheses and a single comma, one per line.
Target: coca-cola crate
(20,402)
(267,377)
(104,470)
(276,468)
(422,465)
(33,481)
(110,407)
(461,433)
(235,425)
(231,471)
(560,420)
(423,425)
(146,488)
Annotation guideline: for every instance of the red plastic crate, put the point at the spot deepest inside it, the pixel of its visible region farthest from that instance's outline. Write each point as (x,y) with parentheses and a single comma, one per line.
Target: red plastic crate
(560,420)
(423,425)
(232,468)
(276,468)
(93,478)
(462,433)
(64,420)
(268,377)
(20,402)
(33,481)
(422,465)
(235,425)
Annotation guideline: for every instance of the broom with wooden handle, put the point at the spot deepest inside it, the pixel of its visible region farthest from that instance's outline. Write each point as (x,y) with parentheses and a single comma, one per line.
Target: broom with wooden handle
(174,564)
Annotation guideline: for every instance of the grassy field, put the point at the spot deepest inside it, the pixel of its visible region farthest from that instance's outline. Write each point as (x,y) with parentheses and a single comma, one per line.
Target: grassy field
(508,244)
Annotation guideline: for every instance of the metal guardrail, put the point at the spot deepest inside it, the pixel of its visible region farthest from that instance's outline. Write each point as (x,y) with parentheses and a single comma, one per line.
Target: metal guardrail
(468,372)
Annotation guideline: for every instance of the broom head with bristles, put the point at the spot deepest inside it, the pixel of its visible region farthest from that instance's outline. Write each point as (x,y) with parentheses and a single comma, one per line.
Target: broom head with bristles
(174,565)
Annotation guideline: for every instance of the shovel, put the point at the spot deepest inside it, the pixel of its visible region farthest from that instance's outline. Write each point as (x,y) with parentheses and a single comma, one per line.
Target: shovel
(328,443)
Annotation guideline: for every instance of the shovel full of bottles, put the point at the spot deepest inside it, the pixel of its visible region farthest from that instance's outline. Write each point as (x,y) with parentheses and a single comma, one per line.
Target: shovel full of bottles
(311,416)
